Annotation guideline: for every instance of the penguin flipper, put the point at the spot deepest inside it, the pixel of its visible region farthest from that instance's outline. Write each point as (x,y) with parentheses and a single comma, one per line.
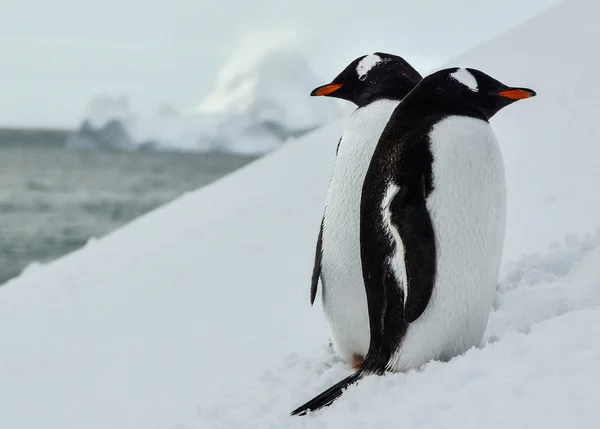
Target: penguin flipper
(319,253)
(328,396)
(316,274)
(410,217)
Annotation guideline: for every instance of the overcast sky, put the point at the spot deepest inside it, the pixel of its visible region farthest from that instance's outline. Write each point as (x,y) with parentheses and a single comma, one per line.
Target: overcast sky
(57,54)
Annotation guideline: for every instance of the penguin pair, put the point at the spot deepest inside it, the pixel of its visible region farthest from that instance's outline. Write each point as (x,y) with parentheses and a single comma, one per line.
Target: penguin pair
(411,240)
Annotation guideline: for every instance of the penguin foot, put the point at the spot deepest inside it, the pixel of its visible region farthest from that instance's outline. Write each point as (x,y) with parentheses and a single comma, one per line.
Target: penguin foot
(357,361)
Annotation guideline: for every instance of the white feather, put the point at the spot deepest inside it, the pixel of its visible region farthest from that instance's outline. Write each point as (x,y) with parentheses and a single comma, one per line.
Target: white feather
(467,208)
(396,260)
(365,65)
(466,78)
(344,296)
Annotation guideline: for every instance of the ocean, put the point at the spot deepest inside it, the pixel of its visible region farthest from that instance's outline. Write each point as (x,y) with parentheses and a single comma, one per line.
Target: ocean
(52,199)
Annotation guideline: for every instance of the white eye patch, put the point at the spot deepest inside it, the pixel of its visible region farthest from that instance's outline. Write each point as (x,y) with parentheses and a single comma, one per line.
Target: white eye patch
(366,64)
(467,79)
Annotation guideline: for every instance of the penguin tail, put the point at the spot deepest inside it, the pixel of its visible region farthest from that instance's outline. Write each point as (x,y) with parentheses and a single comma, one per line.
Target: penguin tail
(329,396)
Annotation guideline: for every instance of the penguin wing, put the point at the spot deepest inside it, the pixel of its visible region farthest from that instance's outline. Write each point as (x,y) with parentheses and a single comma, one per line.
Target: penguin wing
(314,284)
(316,274)
(411,220)
(385,294)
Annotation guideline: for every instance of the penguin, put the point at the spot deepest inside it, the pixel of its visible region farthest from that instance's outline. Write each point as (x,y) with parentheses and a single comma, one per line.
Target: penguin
(375,83)
(432,220)
(370,78)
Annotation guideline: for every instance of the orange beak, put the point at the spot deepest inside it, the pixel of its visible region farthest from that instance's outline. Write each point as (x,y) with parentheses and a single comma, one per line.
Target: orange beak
(517,93)
(325,89)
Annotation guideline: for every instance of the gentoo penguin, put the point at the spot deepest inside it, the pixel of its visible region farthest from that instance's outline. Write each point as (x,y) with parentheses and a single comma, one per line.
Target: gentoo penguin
(375,83)
(432,224)
(371,78)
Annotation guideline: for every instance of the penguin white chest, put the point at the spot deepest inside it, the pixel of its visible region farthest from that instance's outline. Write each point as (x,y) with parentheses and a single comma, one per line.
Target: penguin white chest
(467,208)
(344,296)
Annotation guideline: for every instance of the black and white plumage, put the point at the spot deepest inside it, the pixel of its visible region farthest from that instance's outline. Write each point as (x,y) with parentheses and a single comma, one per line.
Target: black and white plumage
(432,222)
(375,83)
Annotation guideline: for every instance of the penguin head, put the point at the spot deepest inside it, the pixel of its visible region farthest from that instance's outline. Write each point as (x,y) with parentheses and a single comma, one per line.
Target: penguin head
(372,77)
(471,90)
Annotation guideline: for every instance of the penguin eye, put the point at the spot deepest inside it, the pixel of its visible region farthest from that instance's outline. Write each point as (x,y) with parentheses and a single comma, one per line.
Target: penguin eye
(362,77)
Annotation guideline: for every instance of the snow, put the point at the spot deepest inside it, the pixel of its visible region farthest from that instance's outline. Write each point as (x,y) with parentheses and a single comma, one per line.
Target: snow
(272,88)
(197,315)
(548,142)
(466,78)
(254,108)
(366,64)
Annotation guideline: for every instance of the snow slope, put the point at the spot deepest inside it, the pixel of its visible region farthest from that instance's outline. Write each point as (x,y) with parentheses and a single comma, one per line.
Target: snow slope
(255,107)
(130,331)
(550,144)
(196,315)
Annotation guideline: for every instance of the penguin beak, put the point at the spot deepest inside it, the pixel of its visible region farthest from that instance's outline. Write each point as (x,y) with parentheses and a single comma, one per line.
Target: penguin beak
(325,89)
(517,93)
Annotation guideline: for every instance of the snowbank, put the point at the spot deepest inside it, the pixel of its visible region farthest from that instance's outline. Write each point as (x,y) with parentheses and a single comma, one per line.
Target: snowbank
(254,108)
(196,315)
(140,328)
(539,366)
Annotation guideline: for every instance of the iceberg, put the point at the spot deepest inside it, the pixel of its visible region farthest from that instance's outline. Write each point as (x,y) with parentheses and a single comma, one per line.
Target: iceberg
(254,108)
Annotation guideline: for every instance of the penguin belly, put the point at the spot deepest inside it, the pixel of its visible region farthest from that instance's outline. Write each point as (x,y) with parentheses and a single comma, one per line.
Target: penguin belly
(468,211)
(343,290)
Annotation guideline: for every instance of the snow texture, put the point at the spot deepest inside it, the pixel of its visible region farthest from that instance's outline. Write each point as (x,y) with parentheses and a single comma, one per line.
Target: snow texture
(254,108)
(466,78)
(197,315)
(366,64)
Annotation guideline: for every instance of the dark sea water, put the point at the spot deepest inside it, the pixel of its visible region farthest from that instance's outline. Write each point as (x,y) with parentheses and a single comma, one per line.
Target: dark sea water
(53,199)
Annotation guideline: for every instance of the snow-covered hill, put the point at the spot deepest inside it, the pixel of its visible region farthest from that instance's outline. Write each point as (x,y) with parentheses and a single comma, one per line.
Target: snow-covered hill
(255,107)
(550,146)
(196,315)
